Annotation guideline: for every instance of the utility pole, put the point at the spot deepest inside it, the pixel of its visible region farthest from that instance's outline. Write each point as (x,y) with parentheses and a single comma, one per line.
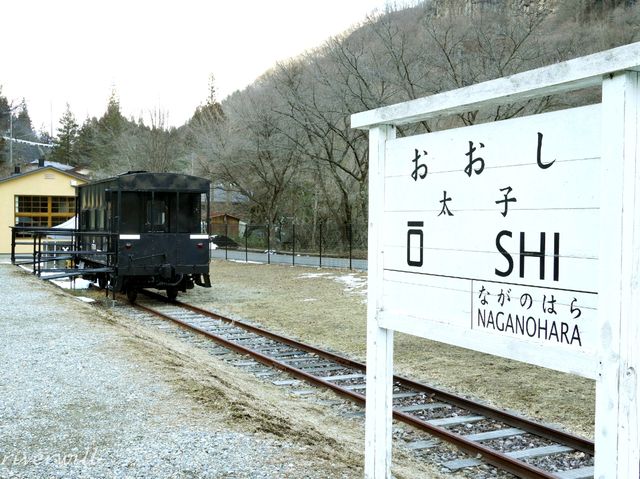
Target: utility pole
(10,138)
(10,111)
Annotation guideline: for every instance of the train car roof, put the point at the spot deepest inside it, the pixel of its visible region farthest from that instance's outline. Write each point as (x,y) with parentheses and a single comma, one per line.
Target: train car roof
(145,181)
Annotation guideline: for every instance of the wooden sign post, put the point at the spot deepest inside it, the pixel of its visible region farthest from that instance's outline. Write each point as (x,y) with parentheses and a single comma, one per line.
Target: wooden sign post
(519,238)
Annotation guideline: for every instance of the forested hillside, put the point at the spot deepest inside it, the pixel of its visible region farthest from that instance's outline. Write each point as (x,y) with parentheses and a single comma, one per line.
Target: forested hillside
(285,142)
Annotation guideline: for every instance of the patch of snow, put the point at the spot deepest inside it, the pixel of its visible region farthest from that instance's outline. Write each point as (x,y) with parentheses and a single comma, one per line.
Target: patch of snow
(312,275)
(68,284)
(306,300)
(46,274)
(84,299)
(351,282)
(71,223)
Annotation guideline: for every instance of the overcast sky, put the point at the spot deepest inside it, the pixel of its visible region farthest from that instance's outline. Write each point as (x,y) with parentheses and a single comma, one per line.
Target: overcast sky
(157,54)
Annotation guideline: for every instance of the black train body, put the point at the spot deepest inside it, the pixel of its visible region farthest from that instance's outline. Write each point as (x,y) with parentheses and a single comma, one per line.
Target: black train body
(152,228)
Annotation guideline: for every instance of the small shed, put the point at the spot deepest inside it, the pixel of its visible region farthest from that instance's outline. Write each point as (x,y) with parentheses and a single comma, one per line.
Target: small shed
(225,224)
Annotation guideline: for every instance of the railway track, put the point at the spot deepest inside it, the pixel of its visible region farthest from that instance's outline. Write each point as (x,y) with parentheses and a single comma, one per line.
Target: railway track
(509,442)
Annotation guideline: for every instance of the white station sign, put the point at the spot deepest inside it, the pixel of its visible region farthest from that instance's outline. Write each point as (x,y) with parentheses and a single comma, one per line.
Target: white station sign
(490,237)
(518,238)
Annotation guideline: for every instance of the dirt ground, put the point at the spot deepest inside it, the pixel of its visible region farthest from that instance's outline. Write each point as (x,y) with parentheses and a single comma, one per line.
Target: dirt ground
(328,308)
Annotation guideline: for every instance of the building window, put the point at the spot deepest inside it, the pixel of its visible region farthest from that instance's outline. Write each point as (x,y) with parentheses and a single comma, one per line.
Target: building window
(43,211)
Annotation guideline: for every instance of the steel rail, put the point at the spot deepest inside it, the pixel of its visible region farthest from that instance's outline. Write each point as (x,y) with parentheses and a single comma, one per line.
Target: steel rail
(474,449)
(571,440)
(575,442)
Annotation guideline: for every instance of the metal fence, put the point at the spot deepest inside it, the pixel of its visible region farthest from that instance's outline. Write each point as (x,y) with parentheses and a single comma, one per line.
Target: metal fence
(322,245)
(55,252)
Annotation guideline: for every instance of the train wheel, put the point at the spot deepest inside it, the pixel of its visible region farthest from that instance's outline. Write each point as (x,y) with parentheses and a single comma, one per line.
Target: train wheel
(132,294)
(172,293)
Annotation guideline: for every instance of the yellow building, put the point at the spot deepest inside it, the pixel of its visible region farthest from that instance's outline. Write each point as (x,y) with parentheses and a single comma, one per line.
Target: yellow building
(41,197)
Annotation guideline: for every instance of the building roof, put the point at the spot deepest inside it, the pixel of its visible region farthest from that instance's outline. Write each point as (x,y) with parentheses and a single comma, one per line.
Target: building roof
(80,170)
(55,164)
(52,168)
(217,215)
(222,195)
(146,181)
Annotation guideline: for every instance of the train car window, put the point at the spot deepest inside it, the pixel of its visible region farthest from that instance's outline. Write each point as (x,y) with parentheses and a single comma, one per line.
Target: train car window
(100,197)
(170,208)
(189,213)
(173,200)
(84,220)
(156,215)
(107,213)
(131,213)
(203,206)
(100,219)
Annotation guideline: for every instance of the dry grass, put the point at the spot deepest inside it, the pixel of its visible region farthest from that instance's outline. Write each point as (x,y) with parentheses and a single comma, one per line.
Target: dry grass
(312,305)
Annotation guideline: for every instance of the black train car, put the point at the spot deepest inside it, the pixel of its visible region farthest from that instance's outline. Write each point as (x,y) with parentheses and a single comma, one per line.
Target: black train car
(152,228)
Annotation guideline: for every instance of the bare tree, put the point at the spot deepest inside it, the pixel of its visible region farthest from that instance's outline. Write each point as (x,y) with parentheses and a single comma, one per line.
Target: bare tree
(248,153)
(316,109)
(484,44)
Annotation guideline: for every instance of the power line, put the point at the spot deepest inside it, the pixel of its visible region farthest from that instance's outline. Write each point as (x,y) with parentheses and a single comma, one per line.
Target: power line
(35,143)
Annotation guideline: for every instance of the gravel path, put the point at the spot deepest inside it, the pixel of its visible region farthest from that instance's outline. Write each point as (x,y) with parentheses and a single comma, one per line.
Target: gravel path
(78,399)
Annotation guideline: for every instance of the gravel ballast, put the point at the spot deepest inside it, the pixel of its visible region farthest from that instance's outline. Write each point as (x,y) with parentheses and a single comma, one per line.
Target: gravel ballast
(78,399)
